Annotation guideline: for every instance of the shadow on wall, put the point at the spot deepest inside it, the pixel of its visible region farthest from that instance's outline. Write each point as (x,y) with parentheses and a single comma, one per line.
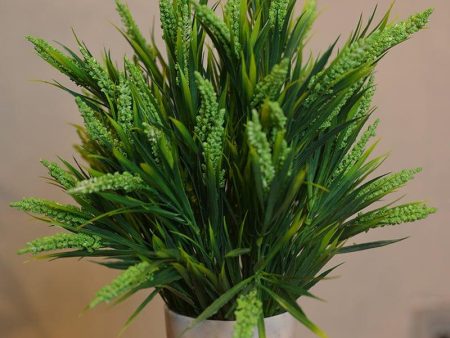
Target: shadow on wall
(432,323)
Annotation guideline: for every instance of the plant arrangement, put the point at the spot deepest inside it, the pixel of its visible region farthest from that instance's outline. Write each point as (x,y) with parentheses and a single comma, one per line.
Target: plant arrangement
(225,174)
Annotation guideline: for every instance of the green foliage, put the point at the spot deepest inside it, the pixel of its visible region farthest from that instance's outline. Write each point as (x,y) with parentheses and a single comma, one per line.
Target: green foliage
(230,163)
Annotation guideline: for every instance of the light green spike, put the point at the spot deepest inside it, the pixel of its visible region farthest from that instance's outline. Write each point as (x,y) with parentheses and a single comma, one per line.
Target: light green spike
(153,134)
(270,86)
(257,139)
(310,13)
(61,176)
(209,127)
(124,106)
(98,73)
(388,184)
(277,120)
(184,30)
(357,151)
(214,144)
(168,21)
(248,311)
(216,26)
(62,241)
(62,213)
(209,108)
(129,23)
(363,109)
(137,79)
(131,278)
(348,94)
(405,213)
(117,181)
(232,14)
(277,13)
(95,128)
(54,57)
(367,50)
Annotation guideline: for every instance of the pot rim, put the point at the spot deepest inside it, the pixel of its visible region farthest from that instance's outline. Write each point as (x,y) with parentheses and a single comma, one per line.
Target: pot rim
(174,313)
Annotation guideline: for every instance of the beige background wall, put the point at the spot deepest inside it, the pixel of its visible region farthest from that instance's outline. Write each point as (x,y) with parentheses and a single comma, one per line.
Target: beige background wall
(377,293)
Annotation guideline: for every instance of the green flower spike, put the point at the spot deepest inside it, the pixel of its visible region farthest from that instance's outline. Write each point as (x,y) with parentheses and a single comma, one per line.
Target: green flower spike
(62,241)
(117,181)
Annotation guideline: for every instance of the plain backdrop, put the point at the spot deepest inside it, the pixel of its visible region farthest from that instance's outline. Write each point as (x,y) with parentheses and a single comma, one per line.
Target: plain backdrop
(378,293)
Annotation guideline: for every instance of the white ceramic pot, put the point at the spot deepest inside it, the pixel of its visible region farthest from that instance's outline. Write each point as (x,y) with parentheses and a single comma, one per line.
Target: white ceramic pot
(280,326)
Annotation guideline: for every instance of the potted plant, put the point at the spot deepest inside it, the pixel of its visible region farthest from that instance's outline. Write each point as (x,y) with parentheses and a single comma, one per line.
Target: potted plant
(225,175)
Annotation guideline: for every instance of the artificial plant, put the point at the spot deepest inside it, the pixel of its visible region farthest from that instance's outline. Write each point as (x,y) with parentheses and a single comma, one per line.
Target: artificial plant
(225,172)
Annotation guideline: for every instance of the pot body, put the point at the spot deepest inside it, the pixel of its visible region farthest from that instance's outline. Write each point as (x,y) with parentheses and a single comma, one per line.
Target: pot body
(280,326)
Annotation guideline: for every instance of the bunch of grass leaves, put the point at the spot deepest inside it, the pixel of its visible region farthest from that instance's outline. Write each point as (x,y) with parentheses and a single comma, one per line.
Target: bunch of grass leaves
(225,173)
